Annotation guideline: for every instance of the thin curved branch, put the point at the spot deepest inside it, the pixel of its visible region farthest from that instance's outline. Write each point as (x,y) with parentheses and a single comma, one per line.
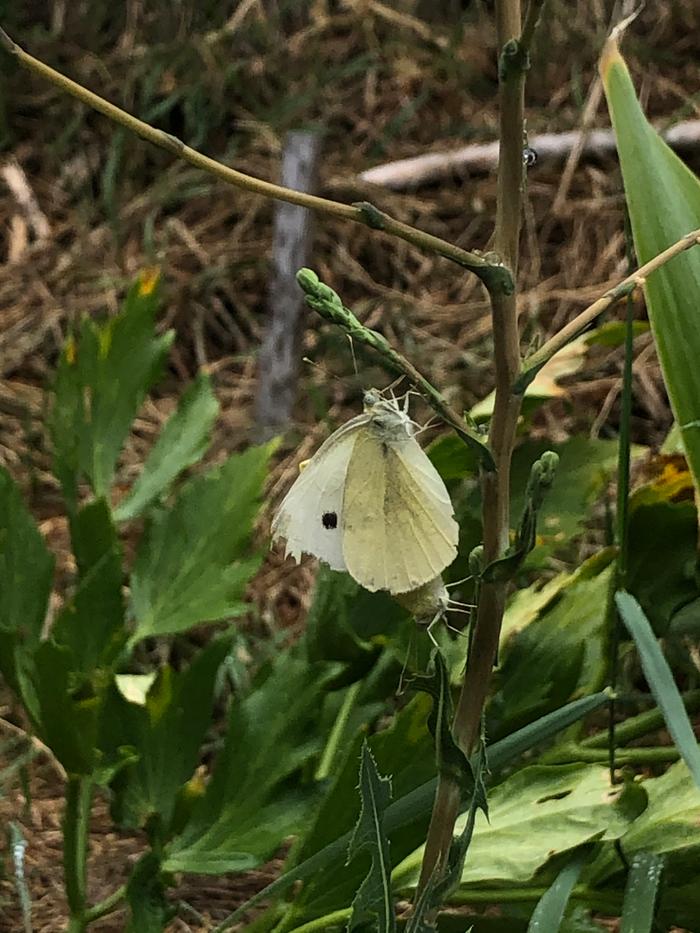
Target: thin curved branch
(495,276)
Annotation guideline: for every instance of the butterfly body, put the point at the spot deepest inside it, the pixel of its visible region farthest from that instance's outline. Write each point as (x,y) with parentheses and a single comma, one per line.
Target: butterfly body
(371,503)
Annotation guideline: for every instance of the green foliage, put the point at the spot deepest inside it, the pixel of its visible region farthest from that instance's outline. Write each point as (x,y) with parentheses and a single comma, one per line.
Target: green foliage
(661,682)
(177,704)
(91,623)
(252,802)
(145,894)
(102,380)
(562,640)
(663,200)
(548,915)
(662,585)
(189,566)
(373,903)
(182,442)
(641,893)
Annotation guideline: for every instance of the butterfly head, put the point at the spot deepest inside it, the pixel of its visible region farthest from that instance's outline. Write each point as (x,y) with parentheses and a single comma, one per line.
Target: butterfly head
(385,415)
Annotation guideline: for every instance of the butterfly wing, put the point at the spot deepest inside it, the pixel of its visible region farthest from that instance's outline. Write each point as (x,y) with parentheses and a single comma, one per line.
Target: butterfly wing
(309,517)
(398,528)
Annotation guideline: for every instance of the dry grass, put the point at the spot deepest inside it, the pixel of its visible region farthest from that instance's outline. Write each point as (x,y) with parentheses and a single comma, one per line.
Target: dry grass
(382,81)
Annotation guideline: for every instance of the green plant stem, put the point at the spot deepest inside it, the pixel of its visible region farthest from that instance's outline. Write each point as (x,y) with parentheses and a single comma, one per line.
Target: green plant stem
(598,900)
(637,726)
(534,363)
(495,485)
(495,276)
(76,826)
(106,906)
(623,756)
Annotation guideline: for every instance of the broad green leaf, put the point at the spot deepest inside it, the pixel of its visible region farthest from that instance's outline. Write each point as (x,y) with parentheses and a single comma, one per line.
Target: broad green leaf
(641,893)
(373,902)
(662,558)
(26,567)
(182,442)
(549,912)
(668,827)
(91,623)
(101,381)
(406,819)
(565,644)
(195,560)
(178,704)
(660,680)
(251,804)
(537,813)
(663,199)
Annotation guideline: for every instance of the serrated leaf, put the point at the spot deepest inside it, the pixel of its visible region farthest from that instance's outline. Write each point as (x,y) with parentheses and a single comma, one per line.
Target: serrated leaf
(373,902)
(663,199)
(641,892)
(660,680)
(182,442)
(101,381)
(91,623)
(251,804)
(177,705)
(194,561)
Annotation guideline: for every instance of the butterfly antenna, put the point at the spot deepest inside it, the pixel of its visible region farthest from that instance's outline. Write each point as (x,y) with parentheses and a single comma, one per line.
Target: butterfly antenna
(401,687)
(352,354)
(450,586)
(325,372)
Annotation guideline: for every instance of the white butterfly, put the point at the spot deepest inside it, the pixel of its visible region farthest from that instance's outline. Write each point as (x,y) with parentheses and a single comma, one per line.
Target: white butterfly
(371,503)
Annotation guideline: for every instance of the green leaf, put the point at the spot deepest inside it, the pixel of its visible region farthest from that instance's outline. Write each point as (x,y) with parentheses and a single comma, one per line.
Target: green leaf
(26,567)
(662,559)
(251,804)
(100,384)
(405,749)
(641,893)
(193,563)
(661,682)
(65,720)
(612,333)
(406,818)
(538,813)
(565,644)
(91,623)
(663,199)
(145,894)
(668,827)
(373,902)
(347,623)
(178,704)
(549,912)
(182,442)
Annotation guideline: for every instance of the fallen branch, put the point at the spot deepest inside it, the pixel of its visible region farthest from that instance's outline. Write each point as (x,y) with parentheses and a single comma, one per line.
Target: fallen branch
(483,157)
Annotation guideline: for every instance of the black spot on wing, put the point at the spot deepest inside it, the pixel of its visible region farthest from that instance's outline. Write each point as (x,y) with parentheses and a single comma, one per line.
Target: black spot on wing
(329,520)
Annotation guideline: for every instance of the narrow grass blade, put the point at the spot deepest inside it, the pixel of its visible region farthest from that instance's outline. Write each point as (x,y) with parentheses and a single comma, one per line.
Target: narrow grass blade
(661,682)
(641,892)
(549,912)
